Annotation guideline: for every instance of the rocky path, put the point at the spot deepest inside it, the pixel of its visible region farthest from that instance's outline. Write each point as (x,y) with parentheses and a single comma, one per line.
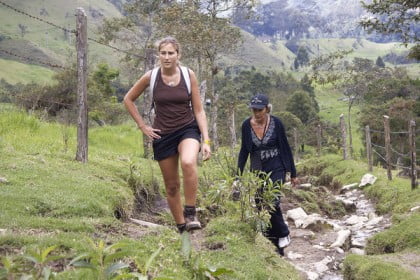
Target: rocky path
(319,244)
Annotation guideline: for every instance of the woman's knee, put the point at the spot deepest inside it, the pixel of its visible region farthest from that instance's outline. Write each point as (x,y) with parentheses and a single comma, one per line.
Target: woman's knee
(172,188)
(189,165)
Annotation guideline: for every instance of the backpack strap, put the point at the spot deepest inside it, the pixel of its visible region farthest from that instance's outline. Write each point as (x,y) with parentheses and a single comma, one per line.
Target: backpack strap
(187,79)
(152,86)
(153,77)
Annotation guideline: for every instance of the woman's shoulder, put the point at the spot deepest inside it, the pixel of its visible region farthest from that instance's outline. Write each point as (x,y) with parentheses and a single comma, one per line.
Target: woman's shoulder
(276,119)
(246,122)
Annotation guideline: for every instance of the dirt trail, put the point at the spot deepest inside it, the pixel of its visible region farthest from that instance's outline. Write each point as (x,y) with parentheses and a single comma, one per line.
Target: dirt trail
(310,250)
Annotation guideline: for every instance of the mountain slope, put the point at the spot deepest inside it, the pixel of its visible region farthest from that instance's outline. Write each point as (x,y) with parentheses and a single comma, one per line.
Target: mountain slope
(41,42)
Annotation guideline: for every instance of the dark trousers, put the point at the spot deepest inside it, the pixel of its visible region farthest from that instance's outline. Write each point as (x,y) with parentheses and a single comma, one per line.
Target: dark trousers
(278,227)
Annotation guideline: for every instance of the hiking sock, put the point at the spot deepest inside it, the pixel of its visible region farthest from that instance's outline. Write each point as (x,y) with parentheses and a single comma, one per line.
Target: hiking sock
(181,227)
(189,210)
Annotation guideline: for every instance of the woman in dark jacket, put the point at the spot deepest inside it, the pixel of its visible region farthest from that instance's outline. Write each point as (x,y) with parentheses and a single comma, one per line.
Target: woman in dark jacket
(264,141)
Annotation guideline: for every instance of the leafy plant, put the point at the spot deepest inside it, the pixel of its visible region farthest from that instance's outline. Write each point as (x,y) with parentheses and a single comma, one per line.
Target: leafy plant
(256,211)
(144,270)
(200,270)
(41,259)
(104,261)
(11,268)
(107,262)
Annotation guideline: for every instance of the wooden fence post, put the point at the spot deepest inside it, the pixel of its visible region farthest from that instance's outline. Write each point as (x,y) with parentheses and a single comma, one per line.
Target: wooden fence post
(296,144)
(82,121)
(343,136)
(318,140)
(369,149)
(413,155)
(387,146)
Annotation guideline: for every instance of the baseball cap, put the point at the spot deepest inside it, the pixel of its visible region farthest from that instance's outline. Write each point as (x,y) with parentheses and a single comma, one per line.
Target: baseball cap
(259,101)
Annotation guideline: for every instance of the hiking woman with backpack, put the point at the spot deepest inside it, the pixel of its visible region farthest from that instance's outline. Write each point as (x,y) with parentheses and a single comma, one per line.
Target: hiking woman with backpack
(178,129)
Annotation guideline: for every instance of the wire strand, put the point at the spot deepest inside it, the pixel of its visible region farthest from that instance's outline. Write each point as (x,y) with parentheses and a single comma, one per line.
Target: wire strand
(34,60)
(115,48)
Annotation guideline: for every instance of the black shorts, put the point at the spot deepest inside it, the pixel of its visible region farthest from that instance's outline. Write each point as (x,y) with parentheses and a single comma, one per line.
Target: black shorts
(167,145)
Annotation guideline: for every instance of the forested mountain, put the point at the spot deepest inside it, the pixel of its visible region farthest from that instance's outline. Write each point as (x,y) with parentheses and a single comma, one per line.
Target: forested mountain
(287,19)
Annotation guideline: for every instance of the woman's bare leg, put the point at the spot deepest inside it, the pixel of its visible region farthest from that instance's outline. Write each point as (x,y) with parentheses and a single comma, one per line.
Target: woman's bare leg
(188,154)
(169,169)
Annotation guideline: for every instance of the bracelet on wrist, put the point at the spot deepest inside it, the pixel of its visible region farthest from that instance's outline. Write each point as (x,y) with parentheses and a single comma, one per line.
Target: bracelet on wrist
(207,141)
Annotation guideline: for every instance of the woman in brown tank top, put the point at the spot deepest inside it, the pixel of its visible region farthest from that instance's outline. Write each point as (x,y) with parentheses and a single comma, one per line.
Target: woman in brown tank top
(176,130)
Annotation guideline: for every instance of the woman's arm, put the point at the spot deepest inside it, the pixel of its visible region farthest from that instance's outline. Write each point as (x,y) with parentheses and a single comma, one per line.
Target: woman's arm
(286,150)
(129,99)
(200,115)
(243,153)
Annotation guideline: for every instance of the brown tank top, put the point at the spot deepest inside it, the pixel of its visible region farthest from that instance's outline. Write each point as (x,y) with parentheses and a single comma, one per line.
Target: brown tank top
(172,105)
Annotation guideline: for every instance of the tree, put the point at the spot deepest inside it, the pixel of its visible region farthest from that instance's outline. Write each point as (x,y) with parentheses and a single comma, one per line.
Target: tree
(23,29)
(379,62)
(103,102)
(102,79)
(353,78)
(302,58)
(136,32)
(395,17)
(301,105)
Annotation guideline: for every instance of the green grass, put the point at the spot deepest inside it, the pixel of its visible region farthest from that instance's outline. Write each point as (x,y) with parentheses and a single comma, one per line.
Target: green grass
(43,41)
(15,72)
(374,268)
(47,188)
(51,199)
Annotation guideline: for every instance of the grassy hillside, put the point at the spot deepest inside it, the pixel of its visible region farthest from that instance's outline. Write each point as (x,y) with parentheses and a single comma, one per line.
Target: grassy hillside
(47,43)
(18,72)
(49,199)
(361,47)
(256,53)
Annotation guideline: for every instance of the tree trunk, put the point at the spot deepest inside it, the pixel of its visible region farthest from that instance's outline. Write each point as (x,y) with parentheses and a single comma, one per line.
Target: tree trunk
(232,128)
(343,136)
(350,135)
(387,146)
(146,113)
(214,112)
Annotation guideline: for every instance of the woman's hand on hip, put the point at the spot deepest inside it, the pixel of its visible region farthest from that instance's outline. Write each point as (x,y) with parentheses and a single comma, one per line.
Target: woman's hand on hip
(150,132)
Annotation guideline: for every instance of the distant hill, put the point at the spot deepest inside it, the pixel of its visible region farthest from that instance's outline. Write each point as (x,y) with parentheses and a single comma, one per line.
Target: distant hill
(287,19)
(31,38)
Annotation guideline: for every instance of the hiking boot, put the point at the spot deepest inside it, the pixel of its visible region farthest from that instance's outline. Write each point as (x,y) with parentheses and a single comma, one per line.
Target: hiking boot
(284,241)
(191,221)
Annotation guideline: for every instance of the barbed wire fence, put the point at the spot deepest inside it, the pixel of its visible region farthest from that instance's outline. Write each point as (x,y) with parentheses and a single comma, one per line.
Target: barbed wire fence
(390,156)
(387,152)
(82,70)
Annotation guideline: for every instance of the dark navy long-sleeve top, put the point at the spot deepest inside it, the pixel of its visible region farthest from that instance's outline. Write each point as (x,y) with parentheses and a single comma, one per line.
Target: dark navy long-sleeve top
(272,153)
